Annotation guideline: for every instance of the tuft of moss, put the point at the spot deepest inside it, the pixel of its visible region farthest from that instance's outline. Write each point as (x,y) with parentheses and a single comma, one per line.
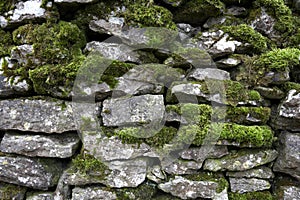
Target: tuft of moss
(247,34)
(5,43)
(250,196)
(6,6)
(291,86)
(144,191)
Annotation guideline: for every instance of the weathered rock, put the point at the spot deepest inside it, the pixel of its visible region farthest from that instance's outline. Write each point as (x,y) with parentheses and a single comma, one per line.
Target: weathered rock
(180,167)
(184,188)
(24,11)
(228,63)
(74,1)
(236,11)
(156,174)
(275,78)
(186,31)
(270,93)
(288,192)
(13,86)
(22,54)
(241,160)
(288,113)
(49,116)
(88,193)
(40,196)
(242,185)
(260,172)
(37,174)
(146,109)
(208,73)
(288,160)
(10,191)
(59,146)
(127,173)
(112,27)
(196,153)
(212,21)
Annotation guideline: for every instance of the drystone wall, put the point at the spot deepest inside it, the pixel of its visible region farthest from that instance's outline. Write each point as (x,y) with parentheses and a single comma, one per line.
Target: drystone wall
(158,99)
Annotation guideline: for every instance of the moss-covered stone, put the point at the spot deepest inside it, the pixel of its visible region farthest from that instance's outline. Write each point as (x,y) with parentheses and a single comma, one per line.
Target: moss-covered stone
(246,34)
(10,191)
(250,196)
(6,6)
(291,86)
(144,191)
(5,43)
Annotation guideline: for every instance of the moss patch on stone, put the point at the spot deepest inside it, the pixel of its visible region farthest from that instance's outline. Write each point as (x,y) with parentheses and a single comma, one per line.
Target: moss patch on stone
(144,191)
(250,196)
(291,86)
(246,34)
(6,6)
(5,43)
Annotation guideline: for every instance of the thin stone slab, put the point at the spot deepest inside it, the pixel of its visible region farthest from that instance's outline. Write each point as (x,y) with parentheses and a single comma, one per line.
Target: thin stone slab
(88,193)
(196,153)
(228,63)
(57,146)
(144,109)
(241,160)
(185,189)
(48,116)
(208,73)
(242,185)
(260,172)
(289,192)
(181,167)
(33,173)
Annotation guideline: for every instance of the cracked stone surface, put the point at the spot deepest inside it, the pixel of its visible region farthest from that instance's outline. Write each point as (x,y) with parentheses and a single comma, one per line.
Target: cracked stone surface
(242,185)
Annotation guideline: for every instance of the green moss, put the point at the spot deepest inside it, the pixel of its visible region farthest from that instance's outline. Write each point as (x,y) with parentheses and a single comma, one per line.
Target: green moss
(6,6)
(5,43)
(143,14)
(208,176)
(291,86)
(10,191)
(246,34)
(143,191)
(86,164)
(250,196)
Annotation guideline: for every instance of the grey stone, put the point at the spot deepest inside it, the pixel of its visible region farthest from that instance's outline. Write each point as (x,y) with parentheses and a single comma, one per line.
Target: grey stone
(123,173)
(33,173)
(260,172)
(48,116)
(59,146)
(208,73)
(275,78)
(242,185)
(23,12)
(270,93)
(212,21)
(288,160)
(40,196)
(112,27)
(288,113)
(228,63)
(10,191)
(89,193)
(180,167)
(146,109)
(185,189)
(196,153)
(289,192)
(241,160)
(236,11)
(156,174)
(23,54)
(13,86)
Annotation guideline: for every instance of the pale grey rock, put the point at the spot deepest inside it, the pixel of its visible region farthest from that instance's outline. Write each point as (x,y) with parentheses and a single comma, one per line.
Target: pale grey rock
(288,160)
(145,109)
(113,26)
(185,189)
(22,54)
(48,116)
(196,153)
(287,116)
(260,172)
(186,31)
(74,1)
(58,146)
(270,93)
(83,89)
(40,196)
(89,193)
(242,185)
(289,192)
(236,11)
(33,173)
(201,74)
(228,63)
(123,173)
(181,167)
(24,12)
(156,174)
(10,191)
(13,86)
(241,160)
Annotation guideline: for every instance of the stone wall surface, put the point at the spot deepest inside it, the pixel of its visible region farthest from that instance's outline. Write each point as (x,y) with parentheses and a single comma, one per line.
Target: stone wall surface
(144,99)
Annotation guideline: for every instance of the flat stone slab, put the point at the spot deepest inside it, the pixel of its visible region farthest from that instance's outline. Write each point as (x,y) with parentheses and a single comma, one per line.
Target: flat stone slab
(196,153)
(88,193)
(241,160)
(33,173)
(59,146)
(242,185)
(201,74)
(260,172)
(137,110)
(48,116)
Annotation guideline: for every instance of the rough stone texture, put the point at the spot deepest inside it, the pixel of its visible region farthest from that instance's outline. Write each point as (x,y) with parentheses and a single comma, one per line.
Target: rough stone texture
(180,167)
(127,173)
(60,146)
(241,160)
(112,27)
(146,109)
(11,87)
(48,116)
(196,153)
(275,78)
(10,191)
(289,192)
(288,160)
(156,174)
(24,11)
(88,193)
(22,54)
(260,172)
(209,73)
(184,188)
(228,63)
(270,93)
(288,113)
(40,196)
(242,185)
(37,174)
